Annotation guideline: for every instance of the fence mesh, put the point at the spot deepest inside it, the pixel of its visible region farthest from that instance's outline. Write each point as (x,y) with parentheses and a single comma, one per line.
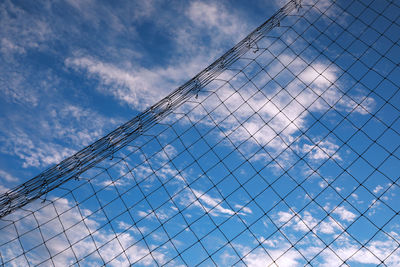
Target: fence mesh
(284,152)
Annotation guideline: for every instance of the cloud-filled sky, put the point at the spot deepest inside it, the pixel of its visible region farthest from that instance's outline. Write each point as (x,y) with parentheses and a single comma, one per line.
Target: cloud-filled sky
(71,71)
(289,156)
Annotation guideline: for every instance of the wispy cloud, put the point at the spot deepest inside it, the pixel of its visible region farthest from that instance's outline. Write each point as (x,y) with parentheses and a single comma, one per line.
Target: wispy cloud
(277,114)
(286,256)
(282,254)
(20,30)
(3,189)
(140,87)
(259,258)
(77,233)
(33,153)
(137,88)
(377,189)
(213,205)
(54,135)
(215,17)
(306,222)
(345,214)
(322,150)
(8,177)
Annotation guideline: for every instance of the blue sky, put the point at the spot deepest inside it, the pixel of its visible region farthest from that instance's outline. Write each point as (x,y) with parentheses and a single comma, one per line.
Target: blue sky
(279,169)
(73,70)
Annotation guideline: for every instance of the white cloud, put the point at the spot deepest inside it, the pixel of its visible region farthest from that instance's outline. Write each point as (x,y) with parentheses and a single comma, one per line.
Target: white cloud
(53,135)
(320,150)
(20,30)
(8,46)
(33,153)
(78,234)
(14,88)
(280,115)
(284,216)
(306,222)
(359,104)
(80,125)
(142,213)
(276,116)
(214,16)
(157,166)
(98,14)
(375,252)
(7,176)
(141,87)
(3,189)
(344,214)
(137,87)
(284,255)
(329,226)
(209,29)
(318,74)
(126,86)
(168,152)
(210,204)
(259,258)
(377,189)
(244,210)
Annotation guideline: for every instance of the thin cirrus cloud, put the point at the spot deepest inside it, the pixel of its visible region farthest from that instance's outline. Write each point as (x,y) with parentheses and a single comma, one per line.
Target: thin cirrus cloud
(57,138)
(140,87)
(8,177)
(137,87)
(33,40)
(77,233)
(21,30)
